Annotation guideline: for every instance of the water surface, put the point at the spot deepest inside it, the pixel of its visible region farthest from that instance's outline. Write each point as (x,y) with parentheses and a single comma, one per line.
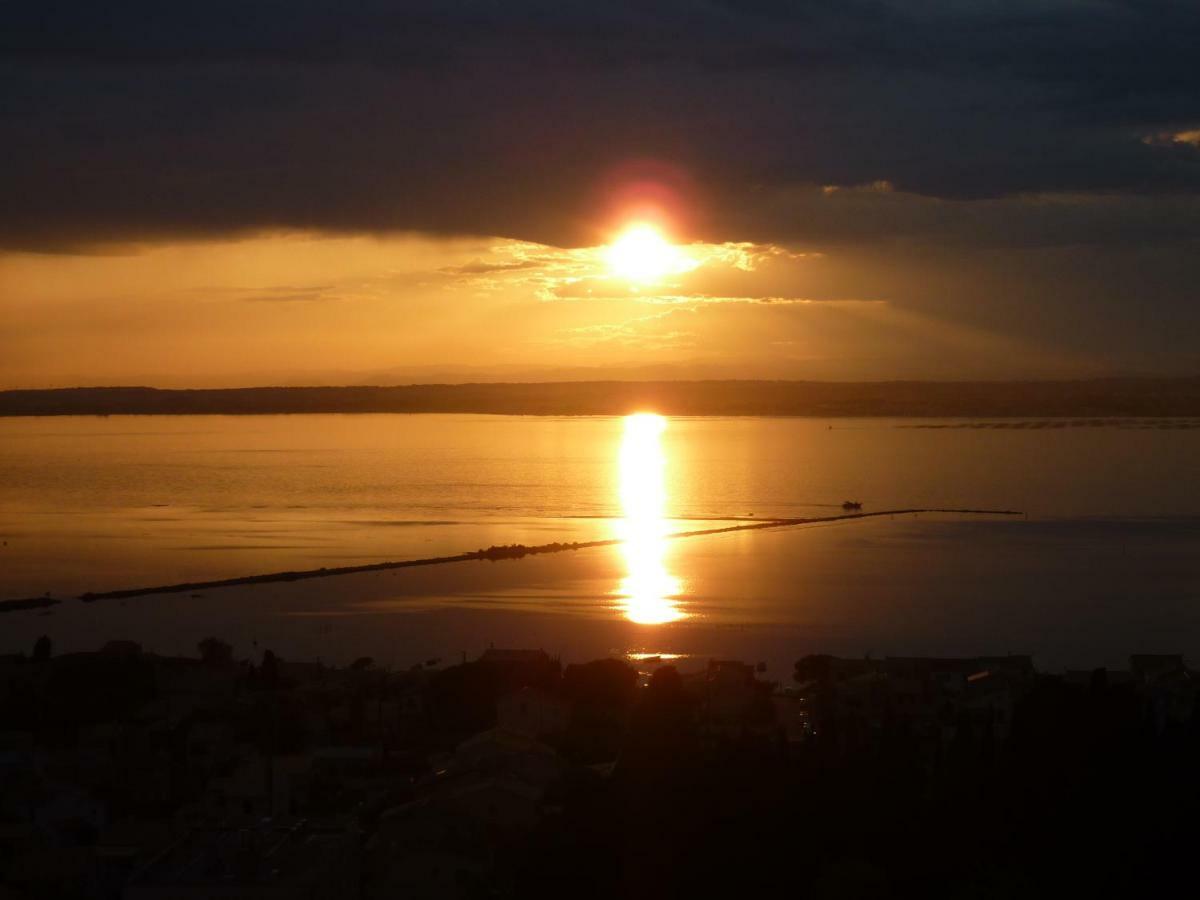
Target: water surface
(1106,560)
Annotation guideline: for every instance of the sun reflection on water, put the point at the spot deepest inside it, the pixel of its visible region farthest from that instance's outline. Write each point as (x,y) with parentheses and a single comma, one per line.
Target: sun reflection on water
(649,591)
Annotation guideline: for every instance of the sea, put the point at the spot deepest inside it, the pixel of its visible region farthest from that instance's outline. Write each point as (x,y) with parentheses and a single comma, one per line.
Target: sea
(1097,557)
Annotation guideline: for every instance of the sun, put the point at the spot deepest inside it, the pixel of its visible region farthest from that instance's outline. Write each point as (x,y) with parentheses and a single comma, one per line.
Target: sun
(641,253)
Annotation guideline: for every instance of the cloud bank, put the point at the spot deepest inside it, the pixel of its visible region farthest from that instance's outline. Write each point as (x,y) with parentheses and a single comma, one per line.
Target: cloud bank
(1036,122)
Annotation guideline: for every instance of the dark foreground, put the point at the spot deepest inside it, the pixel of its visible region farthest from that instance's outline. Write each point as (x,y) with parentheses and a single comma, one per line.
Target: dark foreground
(127,774)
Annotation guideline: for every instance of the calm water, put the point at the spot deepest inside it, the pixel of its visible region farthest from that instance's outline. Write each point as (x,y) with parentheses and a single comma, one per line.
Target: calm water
(1106,562)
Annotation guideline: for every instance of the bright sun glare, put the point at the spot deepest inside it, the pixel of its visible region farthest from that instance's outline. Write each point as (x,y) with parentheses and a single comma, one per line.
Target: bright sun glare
(649,591)
(641,253)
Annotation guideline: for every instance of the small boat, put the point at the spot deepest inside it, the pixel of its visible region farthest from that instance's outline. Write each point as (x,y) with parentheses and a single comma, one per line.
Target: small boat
(851,505)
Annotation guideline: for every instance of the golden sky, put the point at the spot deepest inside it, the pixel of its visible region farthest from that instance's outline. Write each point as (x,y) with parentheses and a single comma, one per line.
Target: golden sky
(215,194)
(304,308)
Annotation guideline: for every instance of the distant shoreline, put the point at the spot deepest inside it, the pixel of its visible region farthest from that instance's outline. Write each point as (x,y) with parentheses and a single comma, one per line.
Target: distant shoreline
(1099,398)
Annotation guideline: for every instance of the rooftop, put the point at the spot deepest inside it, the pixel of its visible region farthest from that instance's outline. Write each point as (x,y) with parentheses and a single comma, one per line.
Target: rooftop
(271,852)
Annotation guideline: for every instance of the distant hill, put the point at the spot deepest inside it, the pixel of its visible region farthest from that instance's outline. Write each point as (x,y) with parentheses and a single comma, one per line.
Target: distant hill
(1104,397)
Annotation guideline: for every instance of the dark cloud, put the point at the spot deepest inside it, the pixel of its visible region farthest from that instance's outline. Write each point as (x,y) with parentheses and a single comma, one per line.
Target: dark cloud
(479,267)
(284,296)
(141,120)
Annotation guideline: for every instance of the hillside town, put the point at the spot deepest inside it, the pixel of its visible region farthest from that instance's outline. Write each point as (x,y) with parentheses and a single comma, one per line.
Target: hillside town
(126,774)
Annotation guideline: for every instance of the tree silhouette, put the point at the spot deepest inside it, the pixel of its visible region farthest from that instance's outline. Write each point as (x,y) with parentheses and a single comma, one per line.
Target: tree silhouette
(270,668)
(41,649)
(214,650)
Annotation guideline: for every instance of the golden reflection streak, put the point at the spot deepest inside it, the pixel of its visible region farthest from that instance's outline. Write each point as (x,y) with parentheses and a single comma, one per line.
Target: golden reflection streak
(648,591)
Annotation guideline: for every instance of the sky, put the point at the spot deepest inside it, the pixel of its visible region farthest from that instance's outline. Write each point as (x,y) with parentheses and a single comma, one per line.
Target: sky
(304,192)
